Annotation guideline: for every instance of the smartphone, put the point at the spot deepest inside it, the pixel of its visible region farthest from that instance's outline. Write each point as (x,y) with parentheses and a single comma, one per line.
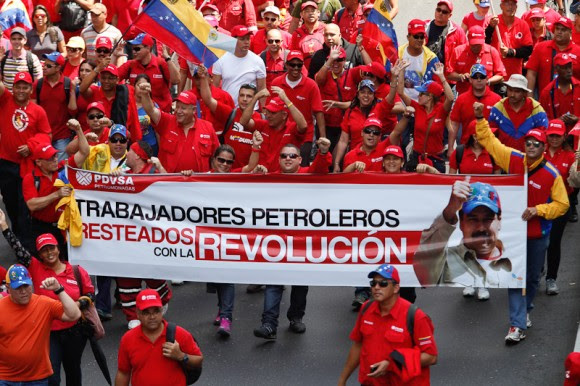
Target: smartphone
(374,368)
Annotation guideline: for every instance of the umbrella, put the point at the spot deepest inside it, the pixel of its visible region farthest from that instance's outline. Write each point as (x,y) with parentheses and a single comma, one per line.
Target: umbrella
(100,358)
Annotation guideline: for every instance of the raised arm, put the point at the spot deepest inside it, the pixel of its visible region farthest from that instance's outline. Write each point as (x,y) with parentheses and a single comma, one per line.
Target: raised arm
(257,141)
(84,148)
(296,114)
(71,310)
(144,90)
(205,89)
(440,72)
(246,118)
(401,82)
(22,255)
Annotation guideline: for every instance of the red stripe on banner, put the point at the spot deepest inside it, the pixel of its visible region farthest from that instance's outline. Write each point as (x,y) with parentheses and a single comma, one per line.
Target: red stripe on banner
(136,183)
(305,247)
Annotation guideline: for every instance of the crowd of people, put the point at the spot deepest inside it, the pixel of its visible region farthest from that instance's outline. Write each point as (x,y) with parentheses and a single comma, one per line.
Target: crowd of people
(301,93)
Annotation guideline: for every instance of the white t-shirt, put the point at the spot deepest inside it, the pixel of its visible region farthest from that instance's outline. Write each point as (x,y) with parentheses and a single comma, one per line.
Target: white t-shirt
(413,74)
(238,71)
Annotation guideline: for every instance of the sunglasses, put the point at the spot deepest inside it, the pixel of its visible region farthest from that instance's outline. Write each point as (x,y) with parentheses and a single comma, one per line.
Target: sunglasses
(479,77)
(381,283)
(39,16)
(95,116)
(49,66)
(118,140)
(419,36)
(340,60)
(136,48)
(288,155)
(73,49)
(295,65)
(249,85)
(369,75)
(225,161)
(443,11)
(536,144)
(102,51)
(272,41)
(270,18)
(368,130)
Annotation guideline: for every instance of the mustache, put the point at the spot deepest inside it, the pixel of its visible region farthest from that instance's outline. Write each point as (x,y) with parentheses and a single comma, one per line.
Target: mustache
(480,234)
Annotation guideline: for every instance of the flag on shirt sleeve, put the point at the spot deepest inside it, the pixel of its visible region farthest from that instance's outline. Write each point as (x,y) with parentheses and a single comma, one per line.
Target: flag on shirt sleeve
(180,27)
(380,39)
(13,14)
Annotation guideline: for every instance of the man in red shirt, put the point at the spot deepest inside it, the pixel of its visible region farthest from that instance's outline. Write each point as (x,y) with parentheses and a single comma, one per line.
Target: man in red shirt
(23,124)
(516,40)
(462,114)
(540,32)
(54,98)
(271,15)
(186,143)
(274,56)
(146,357)
(541,67)
(236,12)
(383,347)
(162,73)
(309,38)
(304,93)
(98,131)
(350,19)
(475,52)
(369,156)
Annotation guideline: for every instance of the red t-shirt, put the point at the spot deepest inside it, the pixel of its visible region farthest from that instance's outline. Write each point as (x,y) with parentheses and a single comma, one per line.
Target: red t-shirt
(70,70)
(462,58)
(435,137)
(144,360)
(472,163)
(556,104)
(373,160)
(45,188)
(275,140)
(336,89)
(236,12)
(562,160)
(308,43)
(258,43)
(19,124)
(219,95)
(158,72)
(350,25)
(550,15)
(126,11)
(470,21)
(541,61)
(178,151)
(53,100)
(516,36)
(462,111)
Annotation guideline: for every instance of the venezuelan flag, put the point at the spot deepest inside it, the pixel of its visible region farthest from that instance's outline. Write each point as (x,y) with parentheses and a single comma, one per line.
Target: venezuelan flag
(380,39)
(13,14)
(179,26)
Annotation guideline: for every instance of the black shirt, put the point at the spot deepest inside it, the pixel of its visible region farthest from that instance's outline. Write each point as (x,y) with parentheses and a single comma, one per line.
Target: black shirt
(435,32)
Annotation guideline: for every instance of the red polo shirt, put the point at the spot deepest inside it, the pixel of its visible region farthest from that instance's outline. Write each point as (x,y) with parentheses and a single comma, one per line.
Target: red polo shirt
(383,110)
(336,88)
(133,124)
(575,36)
(53,100)
(258,43)
(470,21)
(373,160)
(562,160)
(350,24)
(308,42)
(236,12)
(380,335)
(556,103)
(178,151)
(158,72)
(275,68)
(435,136)
(516,36)
(541,61)
(462,58)
(46,187)
(354,119)
(462,111)
(219,95)
(19,124)
(275,140)
(472,163)
(144,359)
(306,98)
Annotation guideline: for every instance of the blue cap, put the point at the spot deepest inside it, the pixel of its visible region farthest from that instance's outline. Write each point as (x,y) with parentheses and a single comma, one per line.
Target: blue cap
(478,69)
(17,276)
(368,84)
(55,57)
(143,39)
(387,271)
(483,3)
(118,129)
(482,194)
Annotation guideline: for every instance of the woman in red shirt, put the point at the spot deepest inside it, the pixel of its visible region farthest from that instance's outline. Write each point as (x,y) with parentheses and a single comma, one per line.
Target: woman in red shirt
(561,156)
(472,158)
(67,339)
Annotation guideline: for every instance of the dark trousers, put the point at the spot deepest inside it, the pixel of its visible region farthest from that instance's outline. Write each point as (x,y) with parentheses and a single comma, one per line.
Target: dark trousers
(333,135)
(103,296)
(554,249)
(272,299)
(11,189)
(66,348)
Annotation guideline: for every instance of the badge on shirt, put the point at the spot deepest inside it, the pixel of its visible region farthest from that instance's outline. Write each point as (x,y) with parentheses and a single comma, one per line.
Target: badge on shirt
(20,120)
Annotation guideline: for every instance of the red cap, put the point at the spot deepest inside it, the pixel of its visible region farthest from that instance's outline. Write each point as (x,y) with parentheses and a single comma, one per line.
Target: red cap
(148,298)
(103,42)
(376,69)
(294,55)
(538,134)
(373,122)
(561,59)
(43,151)
(275,105)
(308,4)
(393,150)
(44,240)
(416,26)
(23,77)
(448,3)
(537,13)
(565,22)
(210,6)
(556,126)
(97,105)
(187,97)
(240,30)
(572,366)
(342,54)
(476,35)
(111,69)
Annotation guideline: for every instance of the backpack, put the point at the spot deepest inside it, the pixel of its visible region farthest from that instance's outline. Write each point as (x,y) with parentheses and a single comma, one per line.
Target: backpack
(66,89)
(459,150)
(410,317)
(73,16)
(191,375)
(29,64)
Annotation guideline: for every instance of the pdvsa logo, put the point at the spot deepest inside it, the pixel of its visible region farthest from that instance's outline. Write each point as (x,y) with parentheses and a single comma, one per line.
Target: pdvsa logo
(113,180)
(84,178)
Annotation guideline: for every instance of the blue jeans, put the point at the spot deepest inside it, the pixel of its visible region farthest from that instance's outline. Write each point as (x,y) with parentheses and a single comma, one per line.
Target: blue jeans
(103,296)
(226,293)
(519,305)
(40,382)
(60,145)
(272,299)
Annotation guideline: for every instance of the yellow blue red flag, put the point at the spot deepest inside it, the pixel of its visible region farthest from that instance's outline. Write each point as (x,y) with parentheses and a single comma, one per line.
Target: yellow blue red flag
(380,39)
(13,14)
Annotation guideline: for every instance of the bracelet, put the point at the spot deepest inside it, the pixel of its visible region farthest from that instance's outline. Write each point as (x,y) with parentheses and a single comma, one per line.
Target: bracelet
(255,149)
(58,291)
(290,105)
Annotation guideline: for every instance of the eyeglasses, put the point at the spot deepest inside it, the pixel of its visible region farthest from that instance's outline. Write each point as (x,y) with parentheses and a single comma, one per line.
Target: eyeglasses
(369,75)
(95,116)
(443,11)
(295,65)
(272,41)
(419,36)
(536,144)
(340,60)
(288,155)
(39,16)
(249,85)
(225,161)
(103,51)
(478,76)
(368,130)
(136,48)
(270,18)
(49,66)
(118,140)
(382,283)
(74,49)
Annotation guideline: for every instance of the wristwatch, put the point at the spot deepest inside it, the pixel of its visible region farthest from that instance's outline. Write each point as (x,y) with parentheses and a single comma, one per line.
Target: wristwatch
(58,291)
(185,358)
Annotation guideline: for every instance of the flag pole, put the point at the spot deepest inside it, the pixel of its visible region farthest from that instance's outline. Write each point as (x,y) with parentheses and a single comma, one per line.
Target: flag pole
(496,27)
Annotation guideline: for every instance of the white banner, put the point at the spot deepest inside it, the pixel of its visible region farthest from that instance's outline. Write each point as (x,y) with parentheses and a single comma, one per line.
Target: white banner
(300,229)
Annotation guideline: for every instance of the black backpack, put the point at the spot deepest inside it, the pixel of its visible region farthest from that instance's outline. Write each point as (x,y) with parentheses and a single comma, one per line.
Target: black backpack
(191,375)
(73,16)
(67,83)
(29,64)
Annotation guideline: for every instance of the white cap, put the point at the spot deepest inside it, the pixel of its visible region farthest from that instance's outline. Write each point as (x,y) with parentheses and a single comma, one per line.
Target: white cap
(271,9)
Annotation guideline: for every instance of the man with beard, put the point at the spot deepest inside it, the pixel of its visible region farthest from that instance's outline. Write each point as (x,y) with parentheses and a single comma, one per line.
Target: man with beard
(479,260)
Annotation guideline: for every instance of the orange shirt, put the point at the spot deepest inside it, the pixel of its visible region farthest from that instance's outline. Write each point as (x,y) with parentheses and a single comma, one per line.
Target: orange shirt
(25,332)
